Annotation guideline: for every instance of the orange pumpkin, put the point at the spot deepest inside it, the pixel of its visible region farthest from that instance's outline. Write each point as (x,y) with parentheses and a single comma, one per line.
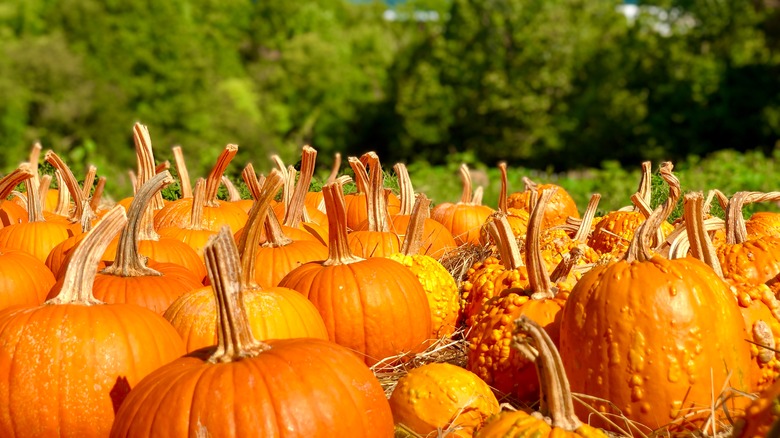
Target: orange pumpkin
(465,218)
(561,206)
(644,332)
(273,313)
(67,365)
(243,387)
(375,307)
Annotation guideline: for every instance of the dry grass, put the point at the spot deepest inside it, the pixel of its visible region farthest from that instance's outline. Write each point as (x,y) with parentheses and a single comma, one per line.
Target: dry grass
(458,261)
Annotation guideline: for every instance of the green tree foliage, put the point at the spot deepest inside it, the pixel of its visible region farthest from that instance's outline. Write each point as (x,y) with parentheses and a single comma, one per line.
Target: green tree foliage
(549,84)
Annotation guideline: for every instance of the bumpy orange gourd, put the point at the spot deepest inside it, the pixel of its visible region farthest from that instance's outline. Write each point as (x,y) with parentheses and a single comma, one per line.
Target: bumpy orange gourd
(243,387)
(555,416)
(67,365)
(561,206)
(644,332)
(375,307)
(442,396)
(439,286)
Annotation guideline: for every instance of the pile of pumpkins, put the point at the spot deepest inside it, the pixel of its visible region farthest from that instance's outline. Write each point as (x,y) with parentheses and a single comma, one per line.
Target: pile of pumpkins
(202,316)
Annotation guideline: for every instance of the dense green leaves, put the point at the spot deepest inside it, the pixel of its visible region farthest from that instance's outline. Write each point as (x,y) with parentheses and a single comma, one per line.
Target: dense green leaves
(550,84)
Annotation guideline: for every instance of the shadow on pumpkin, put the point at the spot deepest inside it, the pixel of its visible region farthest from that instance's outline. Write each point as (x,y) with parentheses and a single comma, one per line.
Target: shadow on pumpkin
(119,392)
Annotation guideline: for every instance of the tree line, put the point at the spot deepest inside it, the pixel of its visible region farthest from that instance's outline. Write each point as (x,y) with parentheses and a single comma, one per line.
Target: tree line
(551,84)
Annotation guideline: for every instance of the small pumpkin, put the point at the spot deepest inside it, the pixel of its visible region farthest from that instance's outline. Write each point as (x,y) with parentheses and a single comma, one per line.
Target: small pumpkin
(465,218)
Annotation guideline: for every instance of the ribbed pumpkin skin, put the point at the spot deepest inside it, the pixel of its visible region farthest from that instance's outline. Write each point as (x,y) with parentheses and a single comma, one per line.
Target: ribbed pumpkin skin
(37,238)
(519,424)
(357,208)
(436,239)
(375,307)
(277,313)
(273,263)
(489,358)
(196,239)
(155,293)
(464,221)
(24,280)
(646,335)
(560,207)
(177,214)
(754,261)
(71,389)
(367,244)
(445,396)
(165,250)
(12,213)
(298,388)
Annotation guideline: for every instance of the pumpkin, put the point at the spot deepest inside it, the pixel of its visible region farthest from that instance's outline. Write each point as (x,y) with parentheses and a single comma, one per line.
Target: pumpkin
(194,234)
(130,279)
(215,212)
(273,313)
(462,219)
(442,397)
(13,215)
(24,280)
(645,331)
(67,365)
(517,217)
(538,297)
(755,260)
(759,307)
(375,307)
(561,206)
(242,387)
(439,286)
(357,203)
(436,240)
(375,239)
(556,416)
(37,236)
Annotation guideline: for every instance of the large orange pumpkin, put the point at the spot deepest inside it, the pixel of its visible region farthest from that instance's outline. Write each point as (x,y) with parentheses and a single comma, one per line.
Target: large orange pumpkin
(242,387)
(375,307)
(644,333)
(67,365)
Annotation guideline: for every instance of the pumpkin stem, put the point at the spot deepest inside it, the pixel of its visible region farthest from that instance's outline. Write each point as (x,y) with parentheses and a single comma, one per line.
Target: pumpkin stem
(97,195)
(416,227)
(295,208)
(639,249)
(146,168)
(43,188)
(736,231)
(645,185)
(81,271)
(465,177)
(274,234)
(699,239)
(250,238)
(555,401)
(502,194)
(361,175)
(184,174)
(165,165)
(214,179)
(234,336)
(233,193)
(89,181)
(133,181)
(501,232)
(476,198)
(405,189)
(377,206)
(9,182)
(587,219)
(198,202)
(538,277)
(34,202)
(128,262)
(564,268)
(334,171)
(72,186)
(34,158)
(250,179)
(723,200)
(336,209)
